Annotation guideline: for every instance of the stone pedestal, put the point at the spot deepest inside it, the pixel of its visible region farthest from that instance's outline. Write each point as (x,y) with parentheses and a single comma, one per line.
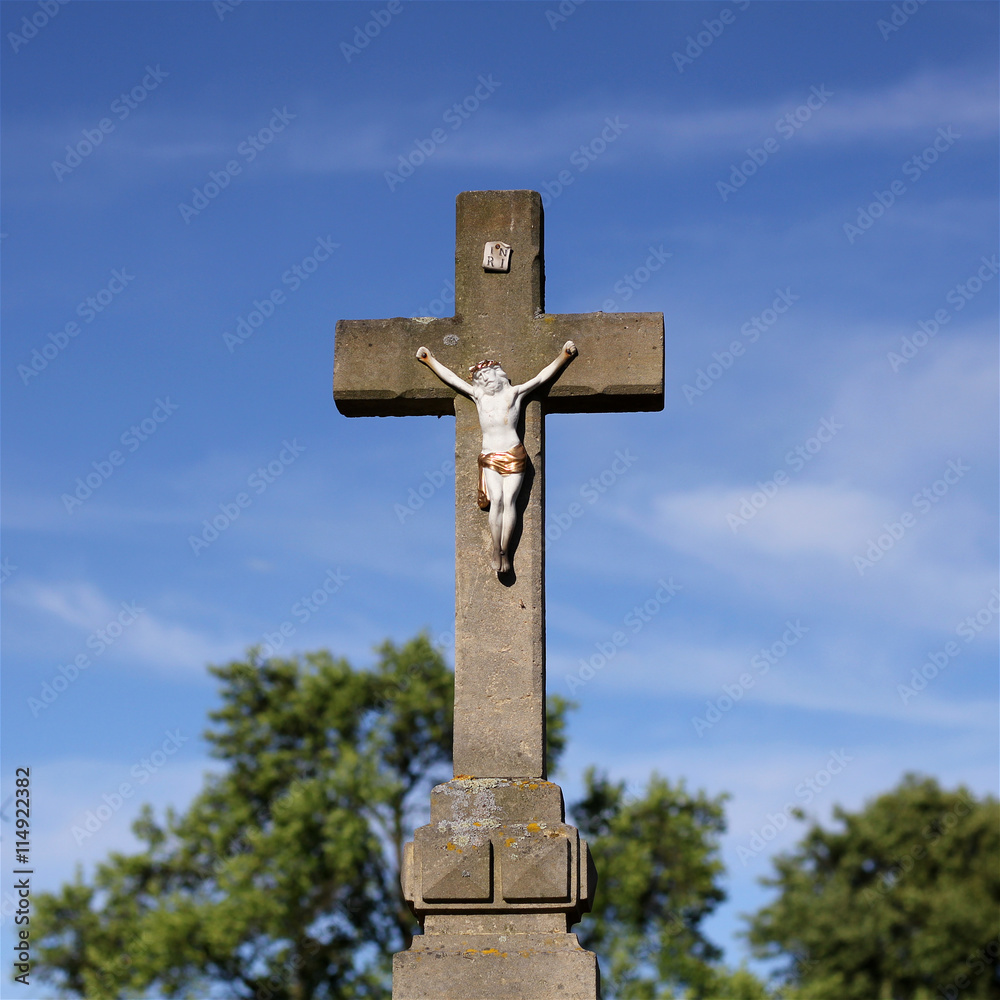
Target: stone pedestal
(497,878)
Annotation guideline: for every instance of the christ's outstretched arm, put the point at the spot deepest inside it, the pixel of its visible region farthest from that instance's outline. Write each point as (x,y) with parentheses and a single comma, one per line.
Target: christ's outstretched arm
(550,371)
(446,375)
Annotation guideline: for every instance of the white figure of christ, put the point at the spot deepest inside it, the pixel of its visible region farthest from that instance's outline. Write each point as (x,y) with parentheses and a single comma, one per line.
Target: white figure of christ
(502,459)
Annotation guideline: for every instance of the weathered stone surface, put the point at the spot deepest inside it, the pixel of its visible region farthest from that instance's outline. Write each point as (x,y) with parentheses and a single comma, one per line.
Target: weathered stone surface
(496,956)
(453,874)
(622,370)
(501,846)
(497,801)
(536,869)
(495,967)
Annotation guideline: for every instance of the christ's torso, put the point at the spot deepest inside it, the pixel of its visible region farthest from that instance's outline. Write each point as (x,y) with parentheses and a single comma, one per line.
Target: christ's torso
(499,413)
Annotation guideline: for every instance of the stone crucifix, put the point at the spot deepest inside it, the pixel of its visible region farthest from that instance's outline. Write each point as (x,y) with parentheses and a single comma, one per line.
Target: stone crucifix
(497,866)
(502,459)
(499,625)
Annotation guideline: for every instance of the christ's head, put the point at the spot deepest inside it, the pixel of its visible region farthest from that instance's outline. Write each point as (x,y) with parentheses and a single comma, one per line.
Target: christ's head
(489,374)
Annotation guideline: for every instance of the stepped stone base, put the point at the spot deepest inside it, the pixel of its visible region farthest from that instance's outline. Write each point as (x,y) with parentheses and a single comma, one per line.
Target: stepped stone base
(497,878)
(504,964)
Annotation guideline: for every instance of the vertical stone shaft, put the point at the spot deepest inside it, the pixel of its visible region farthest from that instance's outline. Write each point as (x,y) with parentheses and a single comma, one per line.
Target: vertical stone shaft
(499,627)
(499,630)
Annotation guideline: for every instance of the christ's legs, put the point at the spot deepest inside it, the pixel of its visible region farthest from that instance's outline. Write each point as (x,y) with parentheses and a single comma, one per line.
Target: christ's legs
(511,488)
(495,491)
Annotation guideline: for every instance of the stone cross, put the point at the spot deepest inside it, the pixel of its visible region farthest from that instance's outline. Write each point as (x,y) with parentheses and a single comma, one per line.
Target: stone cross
(499,313)
(497,877)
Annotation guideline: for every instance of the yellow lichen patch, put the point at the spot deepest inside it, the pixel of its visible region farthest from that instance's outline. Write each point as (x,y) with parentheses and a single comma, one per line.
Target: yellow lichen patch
(476,822)
(463,777)
(533,828)
(452,847)
(511,841)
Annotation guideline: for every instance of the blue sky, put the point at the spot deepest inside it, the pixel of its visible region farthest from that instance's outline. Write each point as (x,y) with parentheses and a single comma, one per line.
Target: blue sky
(813,182)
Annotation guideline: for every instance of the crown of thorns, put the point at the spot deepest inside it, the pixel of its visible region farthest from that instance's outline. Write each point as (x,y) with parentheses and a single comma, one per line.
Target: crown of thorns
(483,364)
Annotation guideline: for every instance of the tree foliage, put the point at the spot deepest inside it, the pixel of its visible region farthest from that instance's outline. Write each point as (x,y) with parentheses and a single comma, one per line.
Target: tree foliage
(656,856)
(281,880)
(900,903)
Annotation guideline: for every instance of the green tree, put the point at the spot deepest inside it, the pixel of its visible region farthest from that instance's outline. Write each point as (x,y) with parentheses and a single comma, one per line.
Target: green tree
(900,903)
(657,862)
(280,881)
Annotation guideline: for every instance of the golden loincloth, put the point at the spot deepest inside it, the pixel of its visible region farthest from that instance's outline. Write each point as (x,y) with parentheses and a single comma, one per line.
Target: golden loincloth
(505,462)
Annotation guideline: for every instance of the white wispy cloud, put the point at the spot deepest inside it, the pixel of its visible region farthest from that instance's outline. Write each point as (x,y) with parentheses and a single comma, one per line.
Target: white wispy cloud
(818,673)
(798,519)
(146,640)
(913,107)
(366,136)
